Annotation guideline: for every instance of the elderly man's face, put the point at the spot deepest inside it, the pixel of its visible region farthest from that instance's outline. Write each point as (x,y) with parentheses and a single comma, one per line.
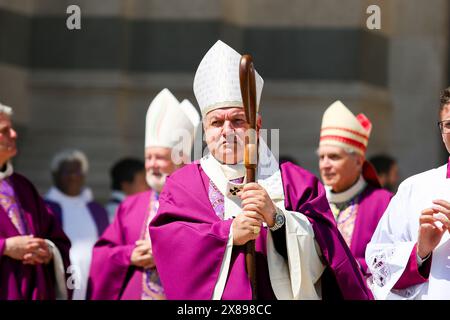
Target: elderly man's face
(8,137)
(158,165)
(445,115)
(225,133)
(338,169)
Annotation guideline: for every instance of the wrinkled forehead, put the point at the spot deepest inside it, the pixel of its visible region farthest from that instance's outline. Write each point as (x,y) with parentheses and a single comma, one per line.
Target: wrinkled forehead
(225,112)
(330,149)
(162,152)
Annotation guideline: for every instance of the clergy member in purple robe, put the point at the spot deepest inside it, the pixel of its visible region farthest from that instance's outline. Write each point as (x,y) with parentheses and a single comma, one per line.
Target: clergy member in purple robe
(34,251)
(82,219)
(122,265)
(207,212)
(353,191)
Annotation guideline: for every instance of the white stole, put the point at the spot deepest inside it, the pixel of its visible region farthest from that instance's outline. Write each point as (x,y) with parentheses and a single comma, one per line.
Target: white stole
(297,278)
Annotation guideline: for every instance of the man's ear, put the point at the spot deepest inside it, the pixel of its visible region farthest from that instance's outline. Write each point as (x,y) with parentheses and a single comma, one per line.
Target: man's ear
(205,122)
(125,187)
(184,160)
(382,178)
(360,160)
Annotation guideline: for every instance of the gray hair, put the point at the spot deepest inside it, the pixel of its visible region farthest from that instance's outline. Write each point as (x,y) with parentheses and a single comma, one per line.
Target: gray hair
(5,110)
(348,150)
(69,155)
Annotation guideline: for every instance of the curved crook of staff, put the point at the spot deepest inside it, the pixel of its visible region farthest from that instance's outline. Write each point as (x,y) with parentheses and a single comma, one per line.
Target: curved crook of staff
(248,92)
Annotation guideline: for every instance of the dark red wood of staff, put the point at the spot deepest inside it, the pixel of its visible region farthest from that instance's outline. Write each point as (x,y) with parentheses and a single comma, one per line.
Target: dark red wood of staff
(248,92)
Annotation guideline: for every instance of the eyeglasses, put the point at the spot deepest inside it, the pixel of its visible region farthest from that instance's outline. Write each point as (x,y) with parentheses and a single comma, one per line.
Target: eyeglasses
(444,126)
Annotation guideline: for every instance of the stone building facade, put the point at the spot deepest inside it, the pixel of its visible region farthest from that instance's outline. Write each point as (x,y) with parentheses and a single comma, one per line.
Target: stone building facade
(90,88)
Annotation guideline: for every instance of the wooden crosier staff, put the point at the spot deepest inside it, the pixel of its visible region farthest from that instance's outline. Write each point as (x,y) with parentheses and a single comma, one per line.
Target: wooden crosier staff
(248,92)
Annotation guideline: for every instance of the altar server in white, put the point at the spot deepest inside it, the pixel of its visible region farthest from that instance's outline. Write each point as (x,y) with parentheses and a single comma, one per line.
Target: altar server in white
(409,254)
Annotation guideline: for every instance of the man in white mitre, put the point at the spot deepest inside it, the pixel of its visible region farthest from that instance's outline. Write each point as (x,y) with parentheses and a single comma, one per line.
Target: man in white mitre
(208,212)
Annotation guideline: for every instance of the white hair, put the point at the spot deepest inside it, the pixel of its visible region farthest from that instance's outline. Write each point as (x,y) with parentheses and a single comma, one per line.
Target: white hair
(69,155)
(6,110)
(348,150)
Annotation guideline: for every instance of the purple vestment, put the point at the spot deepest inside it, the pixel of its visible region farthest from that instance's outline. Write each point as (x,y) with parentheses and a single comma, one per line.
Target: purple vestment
(372,204)
(189,240)
(112,277)
(26,282)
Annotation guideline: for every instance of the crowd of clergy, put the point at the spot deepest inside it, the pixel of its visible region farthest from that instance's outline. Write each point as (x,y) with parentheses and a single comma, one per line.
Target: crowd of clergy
(176,227)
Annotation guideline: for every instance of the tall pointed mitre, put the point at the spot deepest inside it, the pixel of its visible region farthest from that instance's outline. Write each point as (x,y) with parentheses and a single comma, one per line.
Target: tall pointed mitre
(216,82)
(170,124)
(188,108)
(341,128)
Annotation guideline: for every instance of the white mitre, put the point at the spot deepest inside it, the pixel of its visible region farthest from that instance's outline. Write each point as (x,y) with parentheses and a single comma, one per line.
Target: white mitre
(192,113)
(216,82)
(171,124)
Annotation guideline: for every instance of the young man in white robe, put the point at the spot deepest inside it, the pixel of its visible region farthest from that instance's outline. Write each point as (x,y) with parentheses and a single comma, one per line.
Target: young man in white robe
(408,255)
